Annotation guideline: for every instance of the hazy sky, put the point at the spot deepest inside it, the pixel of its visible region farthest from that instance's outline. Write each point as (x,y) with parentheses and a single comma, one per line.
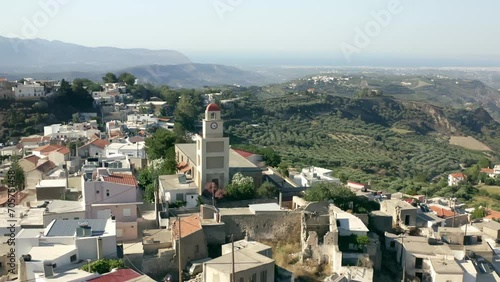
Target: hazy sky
(425,28)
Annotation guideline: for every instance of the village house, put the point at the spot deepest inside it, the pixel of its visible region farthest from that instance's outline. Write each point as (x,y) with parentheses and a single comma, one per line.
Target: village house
(404,215)
(108,194)
(71,131)
(93,149)
(58,154)
(455,178)
(177,188)
(29,89)
(63,247)
(51,189)
(32,142)
(253,262)
(311,175)
(137,150)
(36,169)
(6,91)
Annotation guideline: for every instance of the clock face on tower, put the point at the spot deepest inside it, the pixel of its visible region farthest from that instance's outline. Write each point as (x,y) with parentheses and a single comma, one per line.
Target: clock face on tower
(214,125)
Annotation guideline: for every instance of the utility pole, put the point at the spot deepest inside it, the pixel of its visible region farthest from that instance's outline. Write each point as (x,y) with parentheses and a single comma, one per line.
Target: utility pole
(232,257)
(179,251)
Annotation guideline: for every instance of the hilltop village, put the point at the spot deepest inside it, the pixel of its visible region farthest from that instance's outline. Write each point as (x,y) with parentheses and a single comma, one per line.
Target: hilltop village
(115,195)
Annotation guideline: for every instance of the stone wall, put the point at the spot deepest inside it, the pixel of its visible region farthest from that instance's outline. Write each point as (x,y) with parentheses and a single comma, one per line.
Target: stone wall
(283,227)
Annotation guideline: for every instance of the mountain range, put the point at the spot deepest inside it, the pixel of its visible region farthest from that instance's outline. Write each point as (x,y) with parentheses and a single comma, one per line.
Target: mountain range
(58,60)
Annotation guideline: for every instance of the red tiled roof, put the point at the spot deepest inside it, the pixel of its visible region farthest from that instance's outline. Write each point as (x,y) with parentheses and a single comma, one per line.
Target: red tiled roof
(189,225)
(458,175)
(119,275)
(45,150)
(244,154)
(46,166)
(492,214)
(488,170)
(442,212)
(101,143)
(118,178)
(32,158)
(35,139)
(18,196)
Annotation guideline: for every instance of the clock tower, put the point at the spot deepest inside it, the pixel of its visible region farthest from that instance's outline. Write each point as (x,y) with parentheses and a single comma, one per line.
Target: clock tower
(212,151)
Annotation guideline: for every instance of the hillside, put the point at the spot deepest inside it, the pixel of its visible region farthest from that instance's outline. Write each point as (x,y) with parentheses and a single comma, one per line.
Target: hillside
(195,75)
(43,56)
(377,139)
(436,90)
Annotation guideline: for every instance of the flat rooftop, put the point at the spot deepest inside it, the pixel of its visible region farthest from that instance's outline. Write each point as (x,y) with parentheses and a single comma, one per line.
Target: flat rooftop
(61,206)
(51,252)
(235,211)
(252,246)
(264,207)
(29,217)
(243,261)
(442,266)
(171,182)
(350,222)
(51,183)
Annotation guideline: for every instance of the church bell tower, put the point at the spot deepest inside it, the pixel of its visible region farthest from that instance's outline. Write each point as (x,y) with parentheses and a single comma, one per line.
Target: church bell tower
(212,151)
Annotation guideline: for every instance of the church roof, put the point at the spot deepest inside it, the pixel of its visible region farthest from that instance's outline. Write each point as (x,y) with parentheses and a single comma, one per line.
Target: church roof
(213,108)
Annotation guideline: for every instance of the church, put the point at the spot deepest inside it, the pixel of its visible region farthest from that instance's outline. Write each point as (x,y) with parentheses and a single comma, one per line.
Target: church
(210,158)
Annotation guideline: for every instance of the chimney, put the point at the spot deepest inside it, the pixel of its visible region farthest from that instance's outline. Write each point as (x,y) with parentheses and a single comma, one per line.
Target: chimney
(23,276)
(48,268)
(99,248)
(83,229)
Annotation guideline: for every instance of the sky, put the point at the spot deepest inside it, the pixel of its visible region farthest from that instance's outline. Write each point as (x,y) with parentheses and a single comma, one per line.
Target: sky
(345,31)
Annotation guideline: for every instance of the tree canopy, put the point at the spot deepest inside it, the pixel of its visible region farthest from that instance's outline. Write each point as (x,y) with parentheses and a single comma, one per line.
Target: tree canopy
(109,78)
(241,187)
(341,196)
(158,144)
(128,78)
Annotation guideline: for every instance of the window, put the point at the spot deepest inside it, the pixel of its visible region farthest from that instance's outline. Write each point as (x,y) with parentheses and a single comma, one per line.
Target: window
(393,244)
(242,279)
(263,276)
(97,191)
(179,197)
(212,115)
(419,262)
(76,217)
(197,248)
(65,218)
(254,278)
(127,212)
(107,192)
(72,258)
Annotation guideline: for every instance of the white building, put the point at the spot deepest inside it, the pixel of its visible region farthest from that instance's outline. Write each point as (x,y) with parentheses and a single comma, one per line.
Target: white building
(455,178)
(175,188)
(74,131)
(311,175)
(137,150)
(61,245)
(29,90)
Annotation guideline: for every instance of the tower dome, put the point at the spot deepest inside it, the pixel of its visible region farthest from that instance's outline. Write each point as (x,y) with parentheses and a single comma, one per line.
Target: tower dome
(213,108)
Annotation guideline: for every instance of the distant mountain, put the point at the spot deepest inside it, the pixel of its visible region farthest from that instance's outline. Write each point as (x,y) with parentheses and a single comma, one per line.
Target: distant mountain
(43,56)
(176,76)
(196,75)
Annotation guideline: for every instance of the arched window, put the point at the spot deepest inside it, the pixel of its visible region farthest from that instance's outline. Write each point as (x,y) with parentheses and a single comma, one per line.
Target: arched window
(212,115)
